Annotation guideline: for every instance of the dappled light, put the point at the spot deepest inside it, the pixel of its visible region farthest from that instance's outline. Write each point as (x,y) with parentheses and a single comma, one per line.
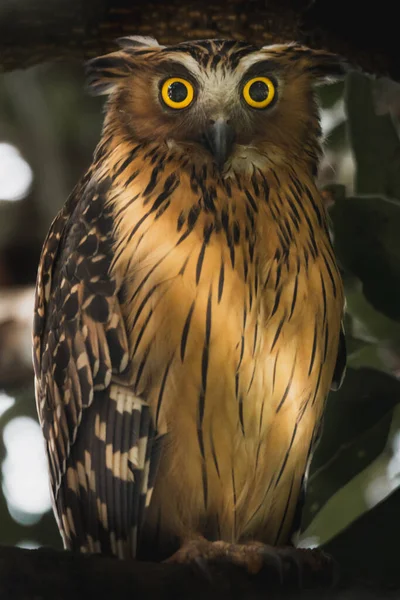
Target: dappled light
(25,480)
(15,174)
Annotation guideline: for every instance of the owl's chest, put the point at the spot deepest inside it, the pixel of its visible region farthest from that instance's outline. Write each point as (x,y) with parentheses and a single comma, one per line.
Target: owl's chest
(193,290)
(227,315)
(226,287)
(232,371)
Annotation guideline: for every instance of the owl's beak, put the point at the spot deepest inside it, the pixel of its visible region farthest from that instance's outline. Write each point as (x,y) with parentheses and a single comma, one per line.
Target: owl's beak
(219,138)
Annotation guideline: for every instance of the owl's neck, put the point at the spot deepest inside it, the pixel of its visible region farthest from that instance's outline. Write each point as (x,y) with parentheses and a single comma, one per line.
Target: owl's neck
(276,202)
(117,146)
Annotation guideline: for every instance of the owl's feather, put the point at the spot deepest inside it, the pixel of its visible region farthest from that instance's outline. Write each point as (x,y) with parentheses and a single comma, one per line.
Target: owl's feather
(188,319)
(102,478)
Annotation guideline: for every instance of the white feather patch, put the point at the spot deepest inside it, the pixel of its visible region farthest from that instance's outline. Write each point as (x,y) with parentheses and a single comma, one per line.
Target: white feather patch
(146,41)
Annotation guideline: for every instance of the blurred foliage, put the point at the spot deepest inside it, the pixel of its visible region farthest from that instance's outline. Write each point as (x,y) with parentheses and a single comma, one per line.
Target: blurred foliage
(356,469)
(47,115)
(55,125)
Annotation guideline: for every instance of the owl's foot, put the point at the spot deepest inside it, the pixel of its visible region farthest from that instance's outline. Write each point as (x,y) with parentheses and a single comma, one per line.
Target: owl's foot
(287,565)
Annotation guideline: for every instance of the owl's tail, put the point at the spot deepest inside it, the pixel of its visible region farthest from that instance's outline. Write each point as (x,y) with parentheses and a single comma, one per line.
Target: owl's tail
(111,469)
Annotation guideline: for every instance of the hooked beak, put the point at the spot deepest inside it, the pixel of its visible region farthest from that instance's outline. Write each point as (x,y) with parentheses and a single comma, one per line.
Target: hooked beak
(219,138)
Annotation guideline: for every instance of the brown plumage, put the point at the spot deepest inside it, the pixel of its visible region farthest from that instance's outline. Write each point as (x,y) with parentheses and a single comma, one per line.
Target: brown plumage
(189,306)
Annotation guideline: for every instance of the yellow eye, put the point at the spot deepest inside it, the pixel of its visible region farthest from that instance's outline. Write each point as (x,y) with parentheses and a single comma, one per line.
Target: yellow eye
(259,92)
(177,93)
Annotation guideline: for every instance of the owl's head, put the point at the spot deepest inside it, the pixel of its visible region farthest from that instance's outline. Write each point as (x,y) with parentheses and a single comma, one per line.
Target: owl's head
(218,100)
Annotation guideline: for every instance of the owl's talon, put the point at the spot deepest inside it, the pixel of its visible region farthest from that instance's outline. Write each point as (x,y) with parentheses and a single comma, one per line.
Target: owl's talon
(292,566)
(272,560)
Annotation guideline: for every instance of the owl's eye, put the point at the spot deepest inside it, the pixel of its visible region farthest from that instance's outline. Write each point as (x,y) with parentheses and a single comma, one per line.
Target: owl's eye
(177,93)
(259,92)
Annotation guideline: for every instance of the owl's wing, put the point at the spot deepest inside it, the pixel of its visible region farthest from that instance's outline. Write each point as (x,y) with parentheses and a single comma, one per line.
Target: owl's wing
(99,436)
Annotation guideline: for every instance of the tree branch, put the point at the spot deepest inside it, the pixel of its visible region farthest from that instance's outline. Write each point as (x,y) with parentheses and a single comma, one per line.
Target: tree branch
(47,574)
(43,30)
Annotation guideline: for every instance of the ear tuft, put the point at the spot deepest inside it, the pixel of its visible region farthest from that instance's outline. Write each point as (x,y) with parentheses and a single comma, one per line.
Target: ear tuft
(138,41)
(321,64)
(103,73)
(326,66)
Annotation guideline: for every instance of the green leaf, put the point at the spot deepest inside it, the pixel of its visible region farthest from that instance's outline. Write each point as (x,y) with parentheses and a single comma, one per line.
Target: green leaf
(370,546)
(367,243)
(376,324)
(368,355)
(374,140)
(372,485)
(356,425)
(330,93)
(365,397)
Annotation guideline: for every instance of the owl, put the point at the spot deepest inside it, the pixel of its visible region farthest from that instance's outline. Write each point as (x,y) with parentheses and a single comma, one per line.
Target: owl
(189,306)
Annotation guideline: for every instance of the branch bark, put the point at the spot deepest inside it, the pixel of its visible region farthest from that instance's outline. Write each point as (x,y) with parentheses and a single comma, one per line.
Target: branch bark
(46,574)
(43,30)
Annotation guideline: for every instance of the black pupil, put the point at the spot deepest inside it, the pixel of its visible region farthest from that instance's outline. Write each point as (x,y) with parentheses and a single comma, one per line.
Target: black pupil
(177,92)
(258,91)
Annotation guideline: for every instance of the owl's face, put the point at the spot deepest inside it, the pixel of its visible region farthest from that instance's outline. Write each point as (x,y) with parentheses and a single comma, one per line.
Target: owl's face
(218,100)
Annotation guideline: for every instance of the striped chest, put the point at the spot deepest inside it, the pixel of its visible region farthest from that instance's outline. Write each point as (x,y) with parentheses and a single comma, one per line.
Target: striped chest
(233,307)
